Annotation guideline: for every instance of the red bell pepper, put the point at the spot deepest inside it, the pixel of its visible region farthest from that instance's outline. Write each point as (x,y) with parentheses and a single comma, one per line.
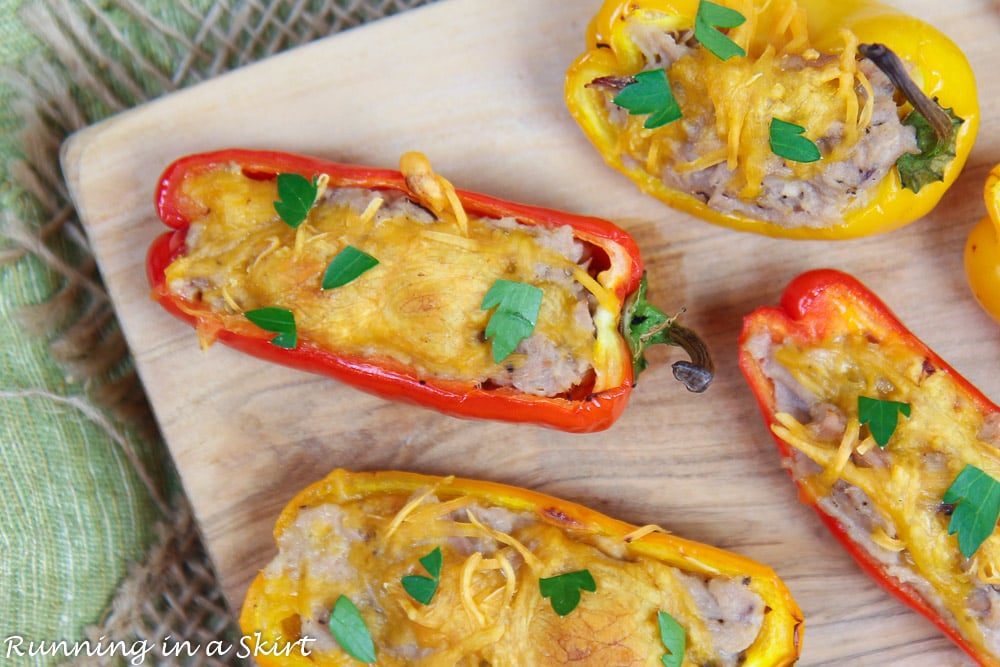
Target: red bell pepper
(615,264)
(808,361)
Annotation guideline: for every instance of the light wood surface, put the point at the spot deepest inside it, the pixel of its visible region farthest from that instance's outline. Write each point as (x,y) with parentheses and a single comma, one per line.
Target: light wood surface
(477,86)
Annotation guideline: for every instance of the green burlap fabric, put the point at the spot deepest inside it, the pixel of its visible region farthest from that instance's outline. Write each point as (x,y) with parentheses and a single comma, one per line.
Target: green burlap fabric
(97,542)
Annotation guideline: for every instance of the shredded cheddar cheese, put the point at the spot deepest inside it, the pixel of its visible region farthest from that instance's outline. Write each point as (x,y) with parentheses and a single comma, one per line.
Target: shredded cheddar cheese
(642,531)
(987,565)
(847,446)
(422,304)
(884,540)
(433,190)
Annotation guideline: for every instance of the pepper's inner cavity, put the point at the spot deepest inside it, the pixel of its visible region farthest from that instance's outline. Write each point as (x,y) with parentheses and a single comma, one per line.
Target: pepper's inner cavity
(420,306)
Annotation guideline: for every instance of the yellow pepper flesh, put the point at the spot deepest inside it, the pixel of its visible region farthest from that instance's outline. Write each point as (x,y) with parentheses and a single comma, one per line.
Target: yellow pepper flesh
(982,250)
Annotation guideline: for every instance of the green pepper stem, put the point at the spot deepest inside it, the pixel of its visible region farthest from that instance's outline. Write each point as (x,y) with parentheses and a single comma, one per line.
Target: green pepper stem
(893,67)
(643,324)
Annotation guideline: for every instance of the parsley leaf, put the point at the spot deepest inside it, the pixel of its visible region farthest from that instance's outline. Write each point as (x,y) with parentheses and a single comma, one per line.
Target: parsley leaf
(787,142)
(928,166)
(279,320)
(564,589)
(650,93)
(975,516)
(422,588)
(711,16)
(296,196)
(517,306)
(432,562)
(881,417)
(346,266)
(673,637)
(350,631)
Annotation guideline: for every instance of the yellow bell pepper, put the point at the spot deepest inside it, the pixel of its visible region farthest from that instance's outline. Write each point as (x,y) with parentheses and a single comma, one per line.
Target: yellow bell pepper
(801,66)
(399,568)
(982,250)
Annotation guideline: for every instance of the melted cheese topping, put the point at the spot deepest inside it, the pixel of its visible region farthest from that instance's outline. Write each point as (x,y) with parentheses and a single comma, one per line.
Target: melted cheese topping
(902,521)
(421,304)
(728,105)
(488,608)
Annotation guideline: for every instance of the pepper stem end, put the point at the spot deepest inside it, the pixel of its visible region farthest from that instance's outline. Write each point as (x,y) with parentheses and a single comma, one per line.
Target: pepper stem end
(644,325)
(887,61)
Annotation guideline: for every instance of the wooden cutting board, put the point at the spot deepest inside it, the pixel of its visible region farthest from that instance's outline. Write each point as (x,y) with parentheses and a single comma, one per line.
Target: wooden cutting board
(477,86)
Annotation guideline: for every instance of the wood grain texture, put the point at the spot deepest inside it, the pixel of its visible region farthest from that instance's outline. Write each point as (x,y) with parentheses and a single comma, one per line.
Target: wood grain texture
(477,86)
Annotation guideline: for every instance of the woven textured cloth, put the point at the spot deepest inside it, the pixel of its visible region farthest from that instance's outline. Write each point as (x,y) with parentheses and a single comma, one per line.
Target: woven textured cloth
(97,543)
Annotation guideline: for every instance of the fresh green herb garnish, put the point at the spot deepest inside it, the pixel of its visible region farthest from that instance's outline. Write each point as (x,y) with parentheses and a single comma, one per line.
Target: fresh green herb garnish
(347,265)
(928,166)
(673,637)
(563,590)
(974,517)
(296,196)
(650,94)
(711,16)
(350,631)
(881,417)
(787,142)
(422,588)
(279,320)
(517,306)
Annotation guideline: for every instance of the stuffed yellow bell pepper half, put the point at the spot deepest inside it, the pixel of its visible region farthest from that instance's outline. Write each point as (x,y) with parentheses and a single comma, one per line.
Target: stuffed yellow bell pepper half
(397,568)
(815,119)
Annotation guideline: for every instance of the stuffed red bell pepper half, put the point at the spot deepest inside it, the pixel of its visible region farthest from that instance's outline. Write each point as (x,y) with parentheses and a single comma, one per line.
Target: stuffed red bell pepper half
(400,284)
(896,452)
